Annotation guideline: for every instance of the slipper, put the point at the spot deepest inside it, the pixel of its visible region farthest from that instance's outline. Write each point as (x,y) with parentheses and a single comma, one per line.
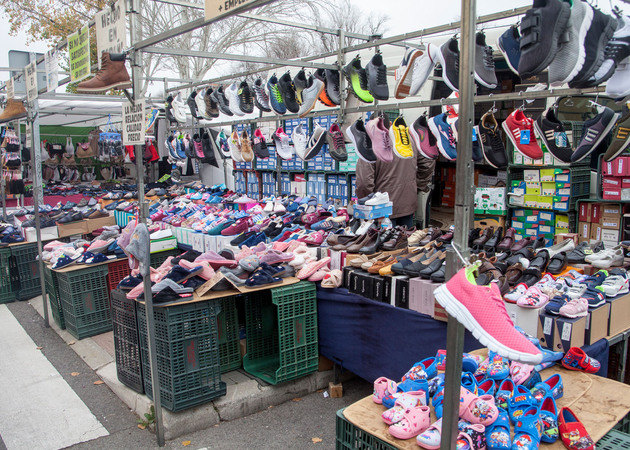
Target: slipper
(180,274)
(527,431)
(332,279)
(99,246)
(487,386)
(274,257)
(167,282)
(425,369)
(475,409)
(574,435)
(469,364)
(319,275)
(504,392)
(65,261)
(206,274)
(99,258)
(406,386)
(168,295)
(233,278)
(216,261)
(551,386)
(471,437)
(281,246)
(435,384)
(520,372)
(287,272)
(498,366)
(245,252)
(129,282)
(261,278)
(406,401)
(431,438)
(249,263)
(498,433)
(519,402)
(415,421)
(312,267)
(272,270)
(85,256)
(53,245)
(135,292)
(549,420)
(382,388)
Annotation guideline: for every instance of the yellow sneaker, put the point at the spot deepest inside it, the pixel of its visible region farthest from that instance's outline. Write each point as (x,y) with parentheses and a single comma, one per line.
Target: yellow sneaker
(399,134)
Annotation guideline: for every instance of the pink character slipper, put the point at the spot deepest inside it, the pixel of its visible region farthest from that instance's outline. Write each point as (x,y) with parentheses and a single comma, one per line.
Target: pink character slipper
(477,409)
(415,421)
(382,388)
(407,400)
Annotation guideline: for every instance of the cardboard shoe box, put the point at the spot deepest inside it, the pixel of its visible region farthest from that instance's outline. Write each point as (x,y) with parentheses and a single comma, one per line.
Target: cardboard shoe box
(619,314)
(400,292)
(597,324)
(69,229)
(559,333)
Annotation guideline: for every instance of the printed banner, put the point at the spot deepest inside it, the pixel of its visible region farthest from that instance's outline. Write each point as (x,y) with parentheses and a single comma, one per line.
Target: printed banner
(110,30)
(10,88)
(52,70)
(133,123)
(30,72)
(79,48)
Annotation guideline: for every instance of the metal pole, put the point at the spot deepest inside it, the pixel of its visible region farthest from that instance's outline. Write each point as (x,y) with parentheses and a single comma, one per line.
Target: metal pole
(463,202)
(136,70)
(4,199)
(341,60)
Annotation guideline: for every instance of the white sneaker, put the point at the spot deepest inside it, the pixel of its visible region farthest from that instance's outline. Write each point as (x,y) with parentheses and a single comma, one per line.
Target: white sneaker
(364,227)
(235,147)
(201,104)
(268,206)
(619,84)
(422,68)
(299,138)
(612,258)
(516,293)
(278,207)
(568,245)
(283,148)
(403,75)
(179,108)
(615,285)
(602,254)
(232,95)
(380,198)
(577,290)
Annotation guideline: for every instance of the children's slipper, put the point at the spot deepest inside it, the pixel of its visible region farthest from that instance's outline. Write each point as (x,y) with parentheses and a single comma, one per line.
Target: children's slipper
(572,432)
(406,386)
(487,386)
(261,278)
(425,369)
(551,386)
(84,257)
(527,430)
(414,421)
(549,420)
(576,359)
(312,267)
(383,387)
(471,437)
(431,438)
(475,409)
(406,401)
(504,392)
(519,402)
(333,279)
(498,433)
(498,367)
(520,372)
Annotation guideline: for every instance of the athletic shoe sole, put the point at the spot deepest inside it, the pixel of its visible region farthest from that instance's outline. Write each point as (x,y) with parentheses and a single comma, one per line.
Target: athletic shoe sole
(586,24)
(507,60)
(601,137)
(508,133)
(440,58)
(356,147)
(458,311)
(433,128)
(575,316)
(401,90)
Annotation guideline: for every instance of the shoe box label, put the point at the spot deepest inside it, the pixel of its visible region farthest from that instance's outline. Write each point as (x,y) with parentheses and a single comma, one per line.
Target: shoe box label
(402,292)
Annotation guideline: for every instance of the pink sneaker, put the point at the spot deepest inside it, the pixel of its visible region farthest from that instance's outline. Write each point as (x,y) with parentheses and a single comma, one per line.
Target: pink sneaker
(533,298)
(423,138)
(381,142)
(482,311)
(578,307)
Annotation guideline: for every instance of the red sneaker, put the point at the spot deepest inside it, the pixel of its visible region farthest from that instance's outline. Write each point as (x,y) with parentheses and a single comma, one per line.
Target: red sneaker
(576,359)
(572,431)
(520,130)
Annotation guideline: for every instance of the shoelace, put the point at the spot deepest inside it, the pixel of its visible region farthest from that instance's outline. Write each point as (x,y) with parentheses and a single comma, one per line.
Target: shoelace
(363,82)
(338,140)
(381,75)
(275,90)
(488,60)
(386,141)
(404,135)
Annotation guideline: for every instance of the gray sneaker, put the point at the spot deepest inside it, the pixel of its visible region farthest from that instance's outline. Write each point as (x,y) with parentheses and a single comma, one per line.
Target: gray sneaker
(377,77)
(484,63)
(316,142)
(336,143)
(332,86)
(362,143)
(620,138)
(309,95)
(571,51)
(594,131)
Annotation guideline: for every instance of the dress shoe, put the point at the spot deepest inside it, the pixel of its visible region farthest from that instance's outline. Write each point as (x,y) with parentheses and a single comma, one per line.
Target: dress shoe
(484,237)
(508,240)
(494,240)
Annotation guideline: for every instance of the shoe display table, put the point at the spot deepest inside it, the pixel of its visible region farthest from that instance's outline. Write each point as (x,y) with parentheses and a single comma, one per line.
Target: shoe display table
(374,339)
(598,402)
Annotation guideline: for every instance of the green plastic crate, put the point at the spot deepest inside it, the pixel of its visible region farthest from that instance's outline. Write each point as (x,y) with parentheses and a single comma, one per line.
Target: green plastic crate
(187,347)
(52,289)
(614,440)
(350,437)
(126,341)
(227,325)
(158,258)
(281,326)
(85,301)
(6,289)
(28,270)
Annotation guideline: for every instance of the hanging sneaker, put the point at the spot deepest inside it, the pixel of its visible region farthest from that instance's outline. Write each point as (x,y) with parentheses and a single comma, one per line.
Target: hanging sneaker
(283,148)
(551,131)
(482,311)
(509,43)
(617,50)
(381,140)
(594,131)
(200,102)
(441,129)
(222,101)
(404,74)
(332,86)
(484,63)
(320,74)
(336,143)
(275,96)
(310,94)
(223,144)
(168,109)
(572,49)
(234,101)
(448,56)
(362,143)
(357,80)
(247,153)
(424,139)
(316,142)
(245,98)
(192,104)
(399,134)
(620,138)
(179,108)
(541,29)
(520,130)
(260,145)
(235,147)
(491,143)
(300,83)
(300,140)
(423,66)
(212,108)
(261,99)
(376,73)
(288,93)
(599,34)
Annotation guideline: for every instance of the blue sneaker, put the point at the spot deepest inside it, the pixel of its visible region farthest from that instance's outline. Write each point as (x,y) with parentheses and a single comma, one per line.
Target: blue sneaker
(554,305)
(443,132)
(170,144)
(196,196)
(595,297)
(596,279)
(179,148)
(275,96)
(509,44)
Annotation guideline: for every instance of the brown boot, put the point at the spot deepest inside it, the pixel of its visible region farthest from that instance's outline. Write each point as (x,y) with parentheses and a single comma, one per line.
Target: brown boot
(113,75)
(13,111)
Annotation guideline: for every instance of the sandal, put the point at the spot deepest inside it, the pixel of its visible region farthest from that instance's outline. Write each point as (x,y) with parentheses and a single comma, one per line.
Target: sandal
(498,433)
(406,401)
(414,421)
(527,430)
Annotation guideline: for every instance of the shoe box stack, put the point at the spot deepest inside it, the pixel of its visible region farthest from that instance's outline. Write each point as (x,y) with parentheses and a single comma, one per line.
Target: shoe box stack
(550,189)
(615,184)
(240,182)
(316,186)
(337,188)
(268,184)
(253,185)
(539,223)
(350,164)
(298,185)
(268,163)
(489,198)
(600,222)
(285,184)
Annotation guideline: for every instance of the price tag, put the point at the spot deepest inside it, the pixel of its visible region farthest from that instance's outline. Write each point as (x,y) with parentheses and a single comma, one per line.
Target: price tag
(525,137)
(566,331)
(474,136)
(547,325)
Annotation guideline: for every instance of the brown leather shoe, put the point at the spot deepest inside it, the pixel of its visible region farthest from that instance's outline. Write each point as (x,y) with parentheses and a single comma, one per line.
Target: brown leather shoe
(519,245)
(514,273)
(486,234)
(378,265)
(339,239)
(113,75)
(372,233)
(13,111)
(432,235)
(397,241)
(508,240)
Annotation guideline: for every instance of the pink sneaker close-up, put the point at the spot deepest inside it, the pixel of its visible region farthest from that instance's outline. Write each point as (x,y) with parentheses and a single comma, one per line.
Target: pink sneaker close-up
(482,312)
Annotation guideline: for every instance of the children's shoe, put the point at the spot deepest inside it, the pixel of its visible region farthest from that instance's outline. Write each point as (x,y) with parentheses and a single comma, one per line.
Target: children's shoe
(520,401)
(407,386)
(425,369)
(527,430)
(498,367)
(576,359)
(549,420)
(578,307)
(406,401)
(572,432)
(616,285)
(414,421)
(382,387)
(504,392)
(520,372)
(487,386)
(498,433)
(477,410)
(551,386)
(472,437)
(440,359)
(431,438)
(533,298)
(469,303)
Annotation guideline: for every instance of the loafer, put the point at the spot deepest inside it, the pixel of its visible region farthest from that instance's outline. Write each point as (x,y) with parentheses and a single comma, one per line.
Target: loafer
(508,240)
(485,236)
(523,243)
(494,240)
(558,263)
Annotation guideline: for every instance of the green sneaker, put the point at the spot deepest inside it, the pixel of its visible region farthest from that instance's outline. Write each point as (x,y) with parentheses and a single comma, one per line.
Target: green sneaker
(620,138)
(357,79)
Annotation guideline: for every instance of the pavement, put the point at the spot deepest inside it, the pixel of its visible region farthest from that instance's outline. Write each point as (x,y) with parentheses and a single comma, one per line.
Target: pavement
(62,393)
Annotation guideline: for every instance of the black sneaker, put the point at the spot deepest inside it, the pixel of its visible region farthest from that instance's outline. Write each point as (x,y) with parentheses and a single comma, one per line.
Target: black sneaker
(361,141)
(617,50)
(449,60)
(288,93)
(599,34)
(168,109)
(260,145)
(246,98)
(541,29)
(300,83)
(377,77)
(492,146)
(484,63)
(192,104)
(221,100)
(261,99)
(594,131)
(552,133)
(212,109)
(332,86)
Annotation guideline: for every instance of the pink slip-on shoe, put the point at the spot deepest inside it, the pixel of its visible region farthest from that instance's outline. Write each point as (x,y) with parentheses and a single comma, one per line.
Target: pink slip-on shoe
(206,274)
(482,312)
(533,298)
(319,275)
(382,388)
(312,267)
(274,257)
